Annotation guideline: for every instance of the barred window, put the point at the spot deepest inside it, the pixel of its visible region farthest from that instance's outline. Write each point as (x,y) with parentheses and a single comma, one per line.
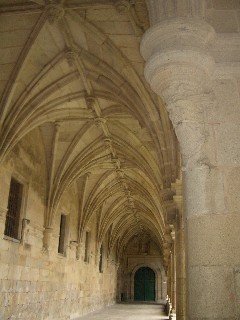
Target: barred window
(101,259)
(62,235)
(12,224)
(86,253)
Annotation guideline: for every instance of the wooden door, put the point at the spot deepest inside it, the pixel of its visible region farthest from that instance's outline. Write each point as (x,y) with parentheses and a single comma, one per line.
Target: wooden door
(144,285)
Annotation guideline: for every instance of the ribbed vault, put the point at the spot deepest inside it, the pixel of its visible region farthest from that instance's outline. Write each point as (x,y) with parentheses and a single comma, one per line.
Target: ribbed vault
(79,80)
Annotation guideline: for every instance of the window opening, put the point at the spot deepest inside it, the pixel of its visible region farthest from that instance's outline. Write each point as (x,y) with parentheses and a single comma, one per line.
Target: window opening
(62,234)
(101,260)
(86,247)
(14,209)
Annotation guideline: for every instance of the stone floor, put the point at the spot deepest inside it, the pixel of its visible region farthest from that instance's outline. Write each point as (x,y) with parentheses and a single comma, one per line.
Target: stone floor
(128,312)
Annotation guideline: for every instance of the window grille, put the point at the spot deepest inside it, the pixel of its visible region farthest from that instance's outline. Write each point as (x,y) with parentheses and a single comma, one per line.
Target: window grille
(101,260)
(14,209)
(86,247)
(62,235)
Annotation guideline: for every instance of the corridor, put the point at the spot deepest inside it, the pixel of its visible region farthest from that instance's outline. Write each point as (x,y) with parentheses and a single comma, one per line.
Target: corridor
(128,312)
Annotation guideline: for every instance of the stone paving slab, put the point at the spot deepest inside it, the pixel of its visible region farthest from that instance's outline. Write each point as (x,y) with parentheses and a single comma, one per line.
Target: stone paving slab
(128,312)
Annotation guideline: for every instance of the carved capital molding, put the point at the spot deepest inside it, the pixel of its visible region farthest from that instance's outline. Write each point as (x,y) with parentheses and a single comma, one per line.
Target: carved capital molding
(177,61)
(179,69)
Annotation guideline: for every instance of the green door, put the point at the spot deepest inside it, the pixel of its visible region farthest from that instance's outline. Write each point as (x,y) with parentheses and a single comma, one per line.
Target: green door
(144,285)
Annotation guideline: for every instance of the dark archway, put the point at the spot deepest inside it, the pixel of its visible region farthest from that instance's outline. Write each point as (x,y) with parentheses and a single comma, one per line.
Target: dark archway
(144,284)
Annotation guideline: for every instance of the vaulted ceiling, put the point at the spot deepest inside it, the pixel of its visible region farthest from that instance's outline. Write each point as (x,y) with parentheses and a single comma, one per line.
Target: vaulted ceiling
(73,70)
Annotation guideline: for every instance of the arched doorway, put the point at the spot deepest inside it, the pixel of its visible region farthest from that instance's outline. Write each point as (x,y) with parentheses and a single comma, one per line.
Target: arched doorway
(144,284)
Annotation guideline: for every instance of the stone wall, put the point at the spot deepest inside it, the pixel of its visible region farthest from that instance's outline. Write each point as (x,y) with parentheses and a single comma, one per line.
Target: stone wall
(35,284)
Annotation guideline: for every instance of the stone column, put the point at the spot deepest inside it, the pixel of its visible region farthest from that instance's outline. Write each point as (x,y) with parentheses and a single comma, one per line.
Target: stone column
(173,273)
(169,252)
(180,254)
(167,260)
(179,69)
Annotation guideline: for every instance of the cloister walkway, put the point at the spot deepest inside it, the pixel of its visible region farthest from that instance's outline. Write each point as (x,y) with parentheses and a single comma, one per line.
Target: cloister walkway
(126,311)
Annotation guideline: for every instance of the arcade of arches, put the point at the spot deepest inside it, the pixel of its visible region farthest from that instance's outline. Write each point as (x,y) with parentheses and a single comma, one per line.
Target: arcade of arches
(119,156)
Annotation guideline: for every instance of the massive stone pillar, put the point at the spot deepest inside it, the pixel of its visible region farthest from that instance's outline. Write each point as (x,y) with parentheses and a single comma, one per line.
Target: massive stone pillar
(179,68)
(180,253)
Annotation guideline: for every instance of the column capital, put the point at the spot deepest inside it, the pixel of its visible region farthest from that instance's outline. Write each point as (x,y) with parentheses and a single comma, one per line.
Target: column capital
(179,69)
(177,60)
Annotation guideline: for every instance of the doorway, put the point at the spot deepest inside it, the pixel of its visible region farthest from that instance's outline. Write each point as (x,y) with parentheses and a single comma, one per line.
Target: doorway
(144,284)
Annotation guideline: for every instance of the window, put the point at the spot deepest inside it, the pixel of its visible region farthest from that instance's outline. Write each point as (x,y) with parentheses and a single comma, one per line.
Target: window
(14,209)
(86,253)
(101,260)
(62,235)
